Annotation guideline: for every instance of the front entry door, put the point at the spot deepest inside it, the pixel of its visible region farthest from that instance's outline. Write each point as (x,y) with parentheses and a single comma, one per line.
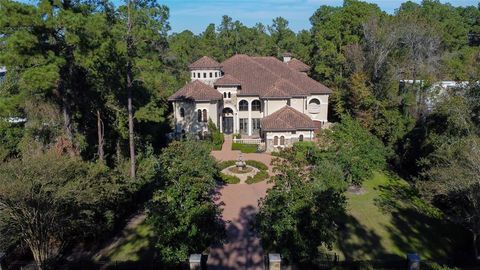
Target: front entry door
(227,125)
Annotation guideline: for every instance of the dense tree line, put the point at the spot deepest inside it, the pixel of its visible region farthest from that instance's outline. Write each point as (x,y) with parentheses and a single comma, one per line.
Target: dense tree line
(87,85)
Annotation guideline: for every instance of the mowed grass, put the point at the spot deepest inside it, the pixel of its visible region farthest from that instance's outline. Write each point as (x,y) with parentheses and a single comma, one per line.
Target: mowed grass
(389,219)
(137,246)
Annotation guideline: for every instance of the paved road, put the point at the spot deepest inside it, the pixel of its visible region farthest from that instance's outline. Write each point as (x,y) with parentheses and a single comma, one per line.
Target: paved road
(242,249)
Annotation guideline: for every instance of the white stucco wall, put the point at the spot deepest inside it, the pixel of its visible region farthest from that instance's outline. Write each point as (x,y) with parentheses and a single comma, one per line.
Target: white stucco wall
(322,114)
(298,104)
(274,105)
(190,123)
(289,138)
(216,74)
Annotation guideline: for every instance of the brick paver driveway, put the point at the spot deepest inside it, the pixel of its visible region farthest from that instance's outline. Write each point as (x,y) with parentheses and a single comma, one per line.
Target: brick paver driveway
(242,249)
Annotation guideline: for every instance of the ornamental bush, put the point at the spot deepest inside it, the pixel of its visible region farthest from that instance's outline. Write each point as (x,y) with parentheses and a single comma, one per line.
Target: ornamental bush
(257,164)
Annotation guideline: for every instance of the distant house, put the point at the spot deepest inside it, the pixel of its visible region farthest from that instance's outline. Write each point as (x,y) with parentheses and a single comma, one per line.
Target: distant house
(437,90)
(258,97)
(3,73)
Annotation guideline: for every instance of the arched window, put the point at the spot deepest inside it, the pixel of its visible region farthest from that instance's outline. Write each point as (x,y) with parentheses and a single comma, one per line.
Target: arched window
(193,74)
(300,138)
(256,105)
(204,75)
(243,105)
(211,74)
(205,117)
(199,115)
(229,95)
(314,101)
(282,140)
(314,106)
(224,94)
(182,112)
(198,75)
(275,140)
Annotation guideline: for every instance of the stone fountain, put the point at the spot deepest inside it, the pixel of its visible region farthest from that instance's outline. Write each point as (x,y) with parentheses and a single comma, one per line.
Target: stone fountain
(240,164)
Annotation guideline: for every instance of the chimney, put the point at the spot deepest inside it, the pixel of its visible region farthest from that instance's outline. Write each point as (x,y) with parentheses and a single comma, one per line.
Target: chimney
(287,57)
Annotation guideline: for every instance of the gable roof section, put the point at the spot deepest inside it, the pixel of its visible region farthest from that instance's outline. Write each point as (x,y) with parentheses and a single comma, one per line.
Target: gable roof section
(205,63)
(197,91)
(287,119)
(228,80)
(298,65)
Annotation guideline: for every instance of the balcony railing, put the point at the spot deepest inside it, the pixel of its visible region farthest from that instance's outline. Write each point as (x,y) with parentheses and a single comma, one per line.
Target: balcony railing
(247,141)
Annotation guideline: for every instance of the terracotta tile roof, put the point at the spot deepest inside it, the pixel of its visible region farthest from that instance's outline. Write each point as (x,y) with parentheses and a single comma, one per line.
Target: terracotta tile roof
(260,75)
(298,65)
(286,119)
(197,91)
(227,80)
(204,62)
(282,88)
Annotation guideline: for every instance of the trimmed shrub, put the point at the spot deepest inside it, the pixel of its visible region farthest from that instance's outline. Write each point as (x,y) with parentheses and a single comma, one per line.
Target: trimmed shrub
(257,164)
(245,148)
(259,177)
(225,164)
(229,179)
(216,136)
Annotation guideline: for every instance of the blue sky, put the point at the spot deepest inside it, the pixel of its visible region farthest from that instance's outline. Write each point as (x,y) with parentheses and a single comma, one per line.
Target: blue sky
(195,15)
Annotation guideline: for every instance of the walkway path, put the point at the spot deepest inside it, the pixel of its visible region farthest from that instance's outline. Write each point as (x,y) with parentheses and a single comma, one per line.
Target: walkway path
(228,154)
(242,249)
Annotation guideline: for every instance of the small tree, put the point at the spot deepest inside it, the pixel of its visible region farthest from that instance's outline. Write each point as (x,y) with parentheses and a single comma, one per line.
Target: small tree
(297,217)
(49,201)
(216,136)
(357,151)
(183,213)
(455,185)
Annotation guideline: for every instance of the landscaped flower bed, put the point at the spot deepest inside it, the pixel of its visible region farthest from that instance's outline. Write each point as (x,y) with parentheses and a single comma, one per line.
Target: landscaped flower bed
(261,175)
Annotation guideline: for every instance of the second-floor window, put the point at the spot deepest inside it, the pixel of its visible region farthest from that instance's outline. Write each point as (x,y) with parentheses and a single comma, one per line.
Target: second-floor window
(182,112)
(243,105)
(256,105)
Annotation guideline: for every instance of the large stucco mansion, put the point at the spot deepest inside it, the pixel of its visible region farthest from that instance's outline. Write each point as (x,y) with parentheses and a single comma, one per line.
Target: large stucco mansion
(258,97)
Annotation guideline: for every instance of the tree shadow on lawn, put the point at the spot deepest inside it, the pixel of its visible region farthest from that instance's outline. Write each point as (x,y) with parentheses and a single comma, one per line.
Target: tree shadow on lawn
(419,227)
(356,241)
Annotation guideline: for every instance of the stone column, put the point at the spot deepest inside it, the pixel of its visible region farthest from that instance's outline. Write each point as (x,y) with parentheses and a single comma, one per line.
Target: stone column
(236,123)
(195,261)
(274,261)
(221,124)
(250,118)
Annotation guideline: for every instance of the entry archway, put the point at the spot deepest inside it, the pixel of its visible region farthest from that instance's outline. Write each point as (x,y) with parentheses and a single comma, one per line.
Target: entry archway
(227,121)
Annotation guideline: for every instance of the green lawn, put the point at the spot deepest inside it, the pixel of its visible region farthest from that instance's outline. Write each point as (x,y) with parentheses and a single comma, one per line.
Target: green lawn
(245,148)
(389,219)
(137,248)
